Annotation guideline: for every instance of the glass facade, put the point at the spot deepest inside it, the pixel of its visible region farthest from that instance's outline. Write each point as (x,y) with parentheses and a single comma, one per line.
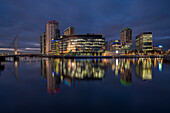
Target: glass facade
(126,39)
(115,46)
(126,36)
(144,42)
(52,34)
(82,44)
(69,31)
(43,44)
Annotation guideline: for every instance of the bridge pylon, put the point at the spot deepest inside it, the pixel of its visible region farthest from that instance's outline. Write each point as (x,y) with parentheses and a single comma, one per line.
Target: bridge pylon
(15,45)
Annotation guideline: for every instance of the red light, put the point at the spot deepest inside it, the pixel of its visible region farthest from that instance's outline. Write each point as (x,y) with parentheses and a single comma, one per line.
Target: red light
(48,91)
(57,90)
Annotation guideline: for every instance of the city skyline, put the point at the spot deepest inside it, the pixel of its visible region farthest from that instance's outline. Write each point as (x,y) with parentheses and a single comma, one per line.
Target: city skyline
(28,23)
(84,56)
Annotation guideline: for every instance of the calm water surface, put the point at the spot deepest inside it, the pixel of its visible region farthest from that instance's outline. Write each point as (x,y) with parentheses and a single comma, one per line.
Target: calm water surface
(84,85)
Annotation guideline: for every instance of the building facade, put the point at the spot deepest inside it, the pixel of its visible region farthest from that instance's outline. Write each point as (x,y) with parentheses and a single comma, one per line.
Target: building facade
(144,42)
(69,31)
(126,39)
(82,44)
(106,46)
(52,34)
(43,44)
(158,48)
(115,46)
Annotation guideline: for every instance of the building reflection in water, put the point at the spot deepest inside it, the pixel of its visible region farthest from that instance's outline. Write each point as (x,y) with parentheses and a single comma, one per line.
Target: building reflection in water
(122,66)
(67,71)
(144,68)
(158,63)
(125,72)
(2,67)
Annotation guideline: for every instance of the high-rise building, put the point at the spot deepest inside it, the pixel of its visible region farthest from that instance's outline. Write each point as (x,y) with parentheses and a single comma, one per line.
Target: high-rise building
(52,34)
(44,40)
(69,31)
(144,41)
(126,39)
(126,36)
(43,44)
(110,45)
(106,46)
(115,46)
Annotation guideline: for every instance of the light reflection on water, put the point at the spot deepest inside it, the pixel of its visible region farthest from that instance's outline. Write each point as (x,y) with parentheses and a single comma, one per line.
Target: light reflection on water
(67,71)
(126,84)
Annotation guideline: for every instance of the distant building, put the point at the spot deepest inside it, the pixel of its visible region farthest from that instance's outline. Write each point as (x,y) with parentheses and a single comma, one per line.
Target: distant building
(69,31)
(110,45)
(82,44)
(144,41)
(52,34)
(115,46)
(43,44)
(158,48)
(106,46)
(126,39)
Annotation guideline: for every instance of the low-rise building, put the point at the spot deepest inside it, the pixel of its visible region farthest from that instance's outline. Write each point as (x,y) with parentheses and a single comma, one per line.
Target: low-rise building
(89,44)
(115,46)
(158,48)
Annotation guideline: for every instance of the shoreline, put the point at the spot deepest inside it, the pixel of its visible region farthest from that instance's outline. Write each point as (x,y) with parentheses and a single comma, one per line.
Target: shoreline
(166,57)
(86,57)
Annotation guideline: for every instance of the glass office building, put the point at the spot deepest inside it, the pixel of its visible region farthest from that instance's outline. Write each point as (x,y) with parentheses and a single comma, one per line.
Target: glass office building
(144,42)
(89,44)
(126,39)
(115,46)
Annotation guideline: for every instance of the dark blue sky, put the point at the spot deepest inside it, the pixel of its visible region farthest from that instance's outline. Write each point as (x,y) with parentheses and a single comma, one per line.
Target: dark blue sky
(27,18)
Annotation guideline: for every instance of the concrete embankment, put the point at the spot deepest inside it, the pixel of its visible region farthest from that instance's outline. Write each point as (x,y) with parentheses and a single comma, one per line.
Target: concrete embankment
(166,57)
(120,56)
(73,57)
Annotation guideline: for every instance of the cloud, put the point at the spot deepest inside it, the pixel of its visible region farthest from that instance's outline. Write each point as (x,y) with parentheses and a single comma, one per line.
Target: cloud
(27,18)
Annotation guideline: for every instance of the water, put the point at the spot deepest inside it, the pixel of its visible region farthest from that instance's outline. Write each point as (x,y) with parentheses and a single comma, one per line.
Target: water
(85,85)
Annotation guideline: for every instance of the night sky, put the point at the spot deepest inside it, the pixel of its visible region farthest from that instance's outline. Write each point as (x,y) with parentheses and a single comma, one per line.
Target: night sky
(27,18)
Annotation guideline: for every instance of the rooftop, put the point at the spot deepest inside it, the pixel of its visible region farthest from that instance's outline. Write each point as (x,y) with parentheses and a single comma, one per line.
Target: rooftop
(126,29)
